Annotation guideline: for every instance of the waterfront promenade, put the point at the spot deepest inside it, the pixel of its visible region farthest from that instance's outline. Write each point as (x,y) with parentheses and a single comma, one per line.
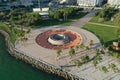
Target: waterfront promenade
(32,48)
(86,71)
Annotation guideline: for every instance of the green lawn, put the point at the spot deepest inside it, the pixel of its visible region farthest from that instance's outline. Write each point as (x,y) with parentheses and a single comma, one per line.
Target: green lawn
(95,20)
(105,34)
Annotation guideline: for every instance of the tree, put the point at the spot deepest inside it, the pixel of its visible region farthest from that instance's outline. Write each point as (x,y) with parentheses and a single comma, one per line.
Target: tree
(78,63)
(87,48)
(58,52)
(91,42)
(95,62)
(82,45)
(112,66)
(71,52)
(107,12)
(28,31)
(77,47)
(104,69)
(57,14)
(85,58)
(98,58)
(66,13)
(97,51)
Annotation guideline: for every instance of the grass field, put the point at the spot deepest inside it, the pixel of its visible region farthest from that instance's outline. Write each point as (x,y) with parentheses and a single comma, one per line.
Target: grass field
(95,20)
(106,34)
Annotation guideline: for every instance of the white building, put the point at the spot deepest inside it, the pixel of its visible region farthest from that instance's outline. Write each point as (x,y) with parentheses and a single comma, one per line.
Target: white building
(89,2)
(68,1)
(114,2)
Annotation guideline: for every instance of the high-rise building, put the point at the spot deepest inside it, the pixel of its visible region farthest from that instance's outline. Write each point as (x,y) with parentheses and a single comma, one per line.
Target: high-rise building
(89,2)
(114,2)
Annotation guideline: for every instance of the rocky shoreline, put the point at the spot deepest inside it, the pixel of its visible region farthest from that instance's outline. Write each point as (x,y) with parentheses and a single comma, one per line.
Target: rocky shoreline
(39,64)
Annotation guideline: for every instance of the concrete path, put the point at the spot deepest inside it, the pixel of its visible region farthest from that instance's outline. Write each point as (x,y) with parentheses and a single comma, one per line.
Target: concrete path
(84,20)
(89,72)
(102,24)
(31,48)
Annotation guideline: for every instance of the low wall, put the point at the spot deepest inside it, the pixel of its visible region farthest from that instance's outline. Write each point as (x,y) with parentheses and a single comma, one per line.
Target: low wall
(42,65)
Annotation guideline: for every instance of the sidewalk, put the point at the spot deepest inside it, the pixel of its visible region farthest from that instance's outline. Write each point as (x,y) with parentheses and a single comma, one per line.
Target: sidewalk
(84,20)
(102,24)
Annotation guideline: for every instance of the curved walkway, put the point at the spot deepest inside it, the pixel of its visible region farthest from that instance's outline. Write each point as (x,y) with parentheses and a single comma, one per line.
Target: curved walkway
(32,48)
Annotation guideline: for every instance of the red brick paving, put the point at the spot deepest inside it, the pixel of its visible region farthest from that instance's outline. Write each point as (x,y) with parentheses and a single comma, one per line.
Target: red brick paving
(42,39)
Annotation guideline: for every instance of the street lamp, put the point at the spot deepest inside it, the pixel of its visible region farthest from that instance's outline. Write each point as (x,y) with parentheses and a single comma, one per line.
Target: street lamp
(39,5)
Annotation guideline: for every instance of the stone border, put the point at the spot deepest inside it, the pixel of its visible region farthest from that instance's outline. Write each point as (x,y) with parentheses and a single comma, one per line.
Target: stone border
(39,64)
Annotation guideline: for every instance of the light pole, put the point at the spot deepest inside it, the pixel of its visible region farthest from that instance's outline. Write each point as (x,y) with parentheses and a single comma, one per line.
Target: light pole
(39,5)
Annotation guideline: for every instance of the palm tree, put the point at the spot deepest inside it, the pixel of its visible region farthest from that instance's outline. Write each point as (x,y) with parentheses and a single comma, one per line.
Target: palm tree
(85,58)
(95,62)
(58,52)
(91,42)
(28,31)
(87,48)
(97,51)
(77,47)
(98,58)
(71,52)
(112,66)
(82,45)
(78,63)
(104,69)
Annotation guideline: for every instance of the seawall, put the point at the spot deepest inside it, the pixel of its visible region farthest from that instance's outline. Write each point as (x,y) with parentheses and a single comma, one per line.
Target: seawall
(39,64)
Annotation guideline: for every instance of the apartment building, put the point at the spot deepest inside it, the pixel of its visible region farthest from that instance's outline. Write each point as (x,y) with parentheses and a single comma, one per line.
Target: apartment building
(114,2)
(89,2)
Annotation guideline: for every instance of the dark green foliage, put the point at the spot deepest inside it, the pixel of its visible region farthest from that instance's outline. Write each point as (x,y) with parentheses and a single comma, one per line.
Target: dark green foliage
(104,69)
(63,13)
(85,58)
(58,52)
(71,52)
(20,17)
(78,63)
(113,67)
(107,12)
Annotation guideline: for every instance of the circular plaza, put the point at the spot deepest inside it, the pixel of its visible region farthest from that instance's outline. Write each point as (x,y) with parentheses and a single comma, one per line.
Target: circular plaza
(43,42)
(60,38)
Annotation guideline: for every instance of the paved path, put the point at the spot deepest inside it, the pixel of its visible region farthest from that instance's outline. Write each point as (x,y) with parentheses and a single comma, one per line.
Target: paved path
(102,24)
(89,72)
(84,20)
(31,48)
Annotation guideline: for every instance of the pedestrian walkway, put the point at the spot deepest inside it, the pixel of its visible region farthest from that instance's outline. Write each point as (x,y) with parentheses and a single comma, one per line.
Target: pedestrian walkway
(84,20)
(102,24)
(32,48)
